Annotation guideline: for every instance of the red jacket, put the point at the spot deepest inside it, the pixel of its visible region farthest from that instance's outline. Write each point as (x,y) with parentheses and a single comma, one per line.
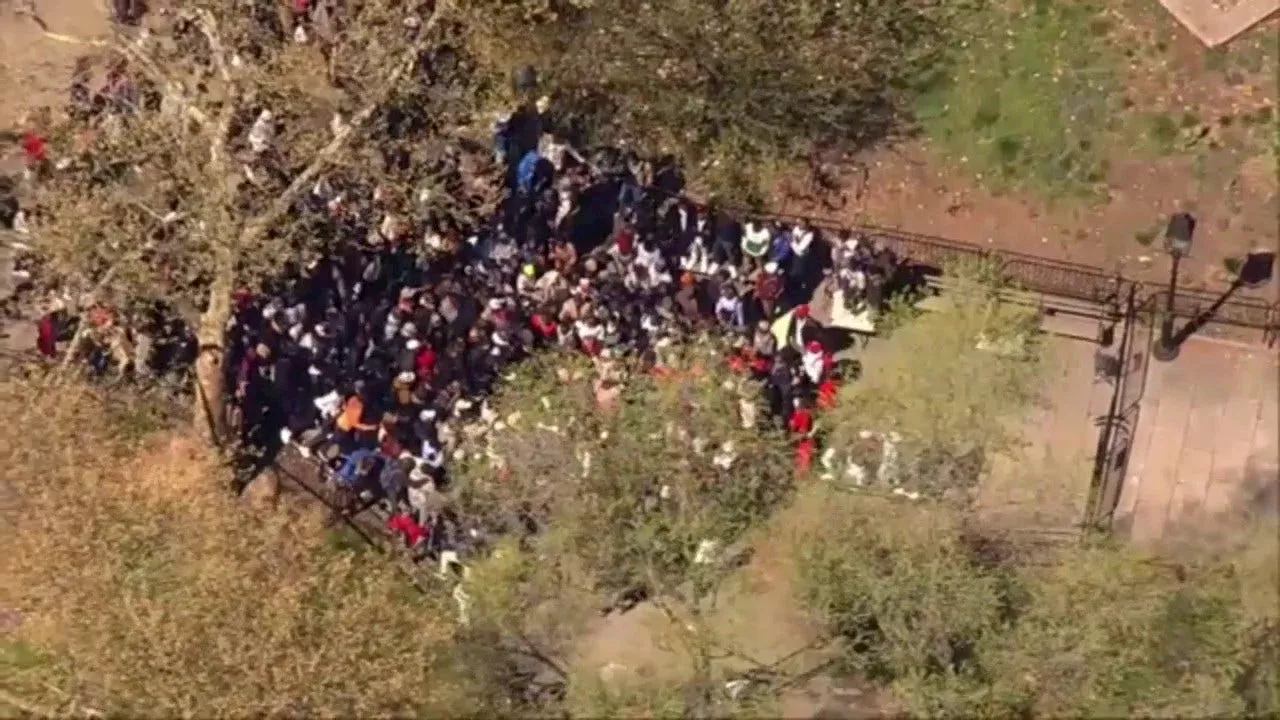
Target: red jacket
(827,393)
(545,328)
(407,528)
(47,336)
(425,363)
(801,422)
(804,455)
(768,288)
(35,148)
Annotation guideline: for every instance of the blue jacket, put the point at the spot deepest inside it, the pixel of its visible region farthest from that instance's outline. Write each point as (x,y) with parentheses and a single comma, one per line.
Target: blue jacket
(527,170)
(347,473)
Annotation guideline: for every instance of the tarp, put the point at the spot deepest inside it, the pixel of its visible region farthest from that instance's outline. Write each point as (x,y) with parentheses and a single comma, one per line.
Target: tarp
(780,327)
(863,321)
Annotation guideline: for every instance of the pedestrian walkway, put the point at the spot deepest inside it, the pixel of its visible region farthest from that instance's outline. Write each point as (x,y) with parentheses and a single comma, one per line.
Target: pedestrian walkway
(1206,451)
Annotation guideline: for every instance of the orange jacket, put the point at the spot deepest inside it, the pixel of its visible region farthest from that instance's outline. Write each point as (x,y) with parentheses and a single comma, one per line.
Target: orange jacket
(352,415)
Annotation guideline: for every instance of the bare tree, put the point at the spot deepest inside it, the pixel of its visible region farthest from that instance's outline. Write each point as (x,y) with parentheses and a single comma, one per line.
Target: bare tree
(190,183)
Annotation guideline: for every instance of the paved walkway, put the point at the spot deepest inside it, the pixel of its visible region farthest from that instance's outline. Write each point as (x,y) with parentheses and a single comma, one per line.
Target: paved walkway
(1215,22)
(1206,451)
(1044,486)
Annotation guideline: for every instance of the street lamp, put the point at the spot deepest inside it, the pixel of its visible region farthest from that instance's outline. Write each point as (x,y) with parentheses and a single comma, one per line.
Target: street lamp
(1178,243)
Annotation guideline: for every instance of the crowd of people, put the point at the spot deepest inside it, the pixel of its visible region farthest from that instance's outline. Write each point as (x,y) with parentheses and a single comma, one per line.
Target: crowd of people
(376,357)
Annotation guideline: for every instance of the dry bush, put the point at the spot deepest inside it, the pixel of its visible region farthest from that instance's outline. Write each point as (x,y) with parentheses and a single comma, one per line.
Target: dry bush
(140,586)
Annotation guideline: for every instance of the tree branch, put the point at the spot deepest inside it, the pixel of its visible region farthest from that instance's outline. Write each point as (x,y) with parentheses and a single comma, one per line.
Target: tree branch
(303,181)
(132,52)
(231,91)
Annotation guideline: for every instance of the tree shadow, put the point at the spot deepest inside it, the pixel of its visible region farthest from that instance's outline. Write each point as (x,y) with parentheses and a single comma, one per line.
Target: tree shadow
(1254,498)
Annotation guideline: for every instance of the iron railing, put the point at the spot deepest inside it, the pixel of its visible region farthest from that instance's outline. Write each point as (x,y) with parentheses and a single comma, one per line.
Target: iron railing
(1117,427)
(1253,319)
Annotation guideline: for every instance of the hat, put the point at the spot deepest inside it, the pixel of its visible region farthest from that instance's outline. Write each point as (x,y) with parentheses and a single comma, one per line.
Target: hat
(413,344)
(802,311)
(406,377)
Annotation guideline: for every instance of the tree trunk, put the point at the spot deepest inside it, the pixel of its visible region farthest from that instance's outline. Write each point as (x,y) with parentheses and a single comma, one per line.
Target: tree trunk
(209,413)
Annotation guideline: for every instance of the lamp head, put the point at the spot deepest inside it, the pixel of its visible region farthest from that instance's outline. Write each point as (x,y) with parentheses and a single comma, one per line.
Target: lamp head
(1257,269)
(1182,226)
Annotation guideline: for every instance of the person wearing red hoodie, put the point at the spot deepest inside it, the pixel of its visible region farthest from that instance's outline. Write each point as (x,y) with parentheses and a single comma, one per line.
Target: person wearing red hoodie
(828,391)
(413,534)
(801,424)
(801,420)
(424,363)
(544,327)
(47,335)
(35,149)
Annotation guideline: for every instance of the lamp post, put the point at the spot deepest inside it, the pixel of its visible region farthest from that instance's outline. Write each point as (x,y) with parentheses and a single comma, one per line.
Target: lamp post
(1182,227)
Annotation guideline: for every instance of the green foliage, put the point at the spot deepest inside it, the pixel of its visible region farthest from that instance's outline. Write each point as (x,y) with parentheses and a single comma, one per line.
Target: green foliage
(627,484)
(1093,631)
(608,512)
(733,86)
(1025,100)
(948,381)
(895,584)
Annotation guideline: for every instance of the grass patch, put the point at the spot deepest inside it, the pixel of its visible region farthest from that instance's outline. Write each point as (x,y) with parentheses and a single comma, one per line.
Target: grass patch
(1162,133)
(1028,98)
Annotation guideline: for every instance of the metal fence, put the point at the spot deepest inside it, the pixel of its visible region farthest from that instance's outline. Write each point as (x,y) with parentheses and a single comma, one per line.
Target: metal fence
(1249,319)
(1117,427)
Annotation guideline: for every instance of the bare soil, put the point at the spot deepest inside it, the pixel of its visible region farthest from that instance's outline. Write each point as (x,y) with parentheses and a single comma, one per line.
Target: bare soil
(34,69)
(1219,162)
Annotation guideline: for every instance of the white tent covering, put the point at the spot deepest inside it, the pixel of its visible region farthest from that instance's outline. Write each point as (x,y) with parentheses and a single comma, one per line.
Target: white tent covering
(863,321)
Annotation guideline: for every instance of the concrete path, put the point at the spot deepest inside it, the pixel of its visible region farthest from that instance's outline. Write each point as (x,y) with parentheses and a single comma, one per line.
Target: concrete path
(1206,452)
(1215,22)
(1044,486)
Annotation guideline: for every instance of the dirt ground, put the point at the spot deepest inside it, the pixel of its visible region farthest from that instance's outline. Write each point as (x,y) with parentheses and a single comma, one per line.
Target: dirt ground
(1221,166)
(1227,180)
(34,69)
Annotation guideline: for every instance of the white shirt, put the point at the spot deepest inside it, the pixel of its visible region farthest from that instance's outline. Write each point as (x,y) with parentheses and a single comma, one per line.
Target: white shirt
(800,240)
(261,132)
(812,363)
(329,404)
(648,258)
(588,332)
